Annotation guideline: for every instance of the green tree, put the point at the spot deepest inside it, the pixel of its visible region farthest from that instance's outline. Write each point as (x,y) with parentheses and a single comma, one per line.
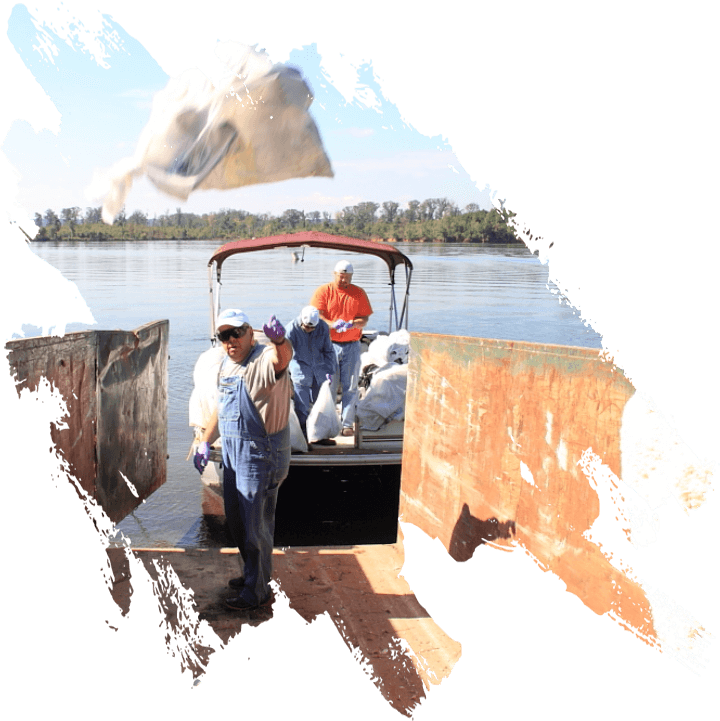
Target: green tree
(381,229)
(442,207)
(496,227)
(389,211)
(293,218)
(347,218)
(93,215)
(450,228)
(210,220)
(138,218)
(226,224)
(427,209)
(412,231)
(52,223)
(475,229)
(365,213)
(412,213)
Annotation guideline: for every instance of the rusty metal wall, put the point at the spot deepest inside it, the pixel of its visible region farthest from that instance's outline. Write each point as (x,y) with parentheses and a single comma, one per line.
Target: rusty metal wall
(114,384)
(494,431)
(68,363)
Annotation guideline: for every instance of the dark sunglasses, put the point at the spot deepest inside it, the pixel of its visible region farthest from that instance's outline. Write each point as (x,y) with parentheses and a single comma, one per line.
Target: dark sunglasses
(225,335)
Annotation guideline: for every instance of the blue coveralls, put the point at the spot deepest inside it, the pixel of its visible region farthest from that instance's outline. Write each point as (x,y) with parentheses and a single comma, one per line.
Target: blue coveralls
(313,359)
(254,466)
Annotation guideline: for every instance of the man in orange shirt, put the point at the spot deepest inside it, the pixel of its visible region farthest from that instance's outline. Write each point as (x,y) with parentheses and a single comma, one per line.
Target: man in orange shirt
(346,309)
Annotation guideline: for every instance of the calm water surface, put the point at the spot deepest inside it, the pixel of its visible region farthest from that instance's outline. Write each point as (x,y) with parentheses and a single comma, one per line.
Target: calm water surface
(487,292)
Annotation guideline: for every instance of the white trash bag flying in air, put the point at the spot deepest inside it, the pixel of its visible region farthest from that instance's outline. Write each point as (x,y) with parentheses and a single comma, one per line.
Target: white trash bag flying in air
(253,126)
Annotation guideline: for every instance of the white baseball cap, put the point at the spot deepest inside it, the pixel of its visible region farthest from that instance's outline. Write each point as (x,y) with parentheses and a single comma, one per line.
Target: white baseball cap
(233,317)
(344,266)
(310,315)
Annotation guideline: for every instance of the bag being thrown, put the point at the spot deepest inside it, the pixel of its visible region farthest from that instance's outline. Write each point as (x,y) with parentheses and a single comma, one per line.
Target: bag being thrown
(323,420)
(250,124)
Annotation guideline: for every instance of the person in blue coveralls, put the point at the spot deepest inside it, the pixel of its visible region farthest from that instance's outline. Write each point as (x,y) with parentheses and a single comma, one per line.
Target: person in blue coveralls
(313,361)
(252,418)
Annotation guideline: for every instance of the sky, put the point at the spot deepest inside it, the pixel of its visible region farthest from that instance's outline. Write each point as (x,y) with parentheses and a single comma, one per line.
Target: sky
(105,102)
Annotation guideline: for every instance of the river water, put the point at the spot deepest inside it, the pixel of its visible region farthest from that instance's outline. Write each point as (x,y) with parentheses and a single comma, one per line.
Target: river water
(488,292)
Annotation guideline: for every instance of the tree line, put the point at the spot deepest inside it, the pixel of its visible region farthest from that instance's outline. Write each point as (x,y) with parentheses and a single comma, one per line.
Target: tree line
(432,220)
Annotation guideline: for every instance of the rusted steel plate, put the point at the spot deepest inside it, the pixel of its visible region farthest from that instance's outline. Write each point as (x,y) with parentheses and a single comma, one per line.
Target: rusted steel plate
(68,364)
(114,384)
(132,416)
(494,431)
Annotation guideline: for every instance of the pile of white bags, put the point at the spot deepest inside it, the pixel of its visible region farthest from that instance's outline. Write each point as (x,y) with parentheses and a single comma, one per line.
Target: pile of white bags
(393,348)
(252,126)
(384,400)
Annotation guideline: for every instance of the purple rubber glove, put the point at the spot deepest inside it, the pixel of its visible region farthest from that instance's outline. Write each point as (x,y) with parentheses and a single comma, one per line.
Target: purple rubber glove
(274,330)
(202,456)
(342,325)
(329,378)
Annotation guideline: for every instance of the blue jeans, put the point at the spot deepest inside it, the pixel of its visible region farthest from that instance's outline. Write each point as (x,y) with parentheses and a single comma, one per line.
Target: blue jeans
(348,358)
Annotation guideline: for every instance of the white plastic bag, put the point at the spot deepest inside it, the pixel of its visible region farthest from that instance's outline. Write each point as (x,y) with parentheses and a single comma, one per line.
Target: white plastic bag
(297,439)
(323,421)
(393,348)
(385,398)
(252,125)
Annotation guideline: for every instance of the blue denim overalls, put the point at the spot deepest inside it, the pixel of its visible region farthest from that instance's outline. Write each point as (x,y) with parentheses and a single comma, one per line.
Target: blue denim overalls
(254,465)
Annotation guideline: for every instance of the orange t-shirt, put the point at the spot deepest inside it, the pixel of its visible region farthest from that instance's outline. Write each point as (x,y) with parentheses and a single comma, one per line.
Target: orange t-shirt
(347,304)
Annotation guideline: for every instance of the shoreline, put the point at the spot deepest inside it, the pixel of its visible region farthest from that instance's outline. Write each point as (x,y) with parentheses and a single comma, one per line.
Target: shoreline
(227,239)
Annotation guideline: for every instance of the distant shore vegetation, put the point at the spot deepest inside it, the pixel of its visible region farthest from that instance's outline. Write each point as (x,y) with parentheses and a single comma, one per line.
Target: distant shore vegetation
(435,220)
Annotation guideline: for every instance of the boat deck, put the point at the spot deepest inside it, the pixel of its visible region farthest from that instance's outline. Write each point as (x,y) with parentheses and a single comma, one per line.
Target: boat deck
(365,448)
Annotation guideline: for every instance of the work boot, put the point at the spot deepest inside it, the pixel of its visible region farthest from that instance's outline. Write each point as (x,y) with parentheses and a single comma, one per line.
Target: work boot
(238,603)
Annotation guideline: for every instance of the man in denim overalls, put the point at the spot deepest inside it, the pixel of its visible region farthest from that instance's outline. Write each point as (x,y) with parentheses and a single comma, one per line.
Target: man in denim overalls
(254,390)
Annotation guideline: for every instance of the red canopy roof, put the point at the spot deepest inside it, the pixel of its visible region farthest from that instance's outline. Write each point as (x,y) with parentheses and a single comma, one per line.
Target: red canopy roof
(389,253)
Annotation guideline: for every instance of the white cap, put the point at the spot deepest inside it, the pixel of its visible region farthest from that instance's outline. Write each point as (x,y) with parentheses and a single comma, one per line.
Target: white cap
(232,317)
(344,266)
(310,315)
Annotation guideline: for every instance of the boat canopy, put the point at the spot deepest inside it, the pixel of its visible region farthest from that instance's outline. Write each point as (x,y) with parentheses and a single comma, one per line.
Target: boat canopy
(389,253)
(392,256)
